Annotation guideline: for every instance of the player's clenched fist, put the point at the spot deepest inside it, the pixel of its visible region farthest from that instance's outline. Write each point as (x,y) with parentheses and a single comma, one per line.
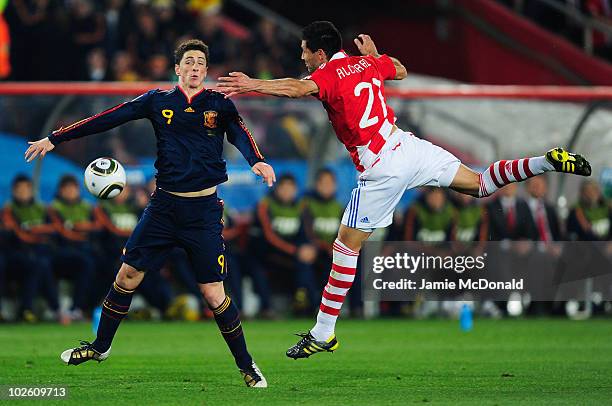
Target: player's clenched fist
(38,147)
(365,45)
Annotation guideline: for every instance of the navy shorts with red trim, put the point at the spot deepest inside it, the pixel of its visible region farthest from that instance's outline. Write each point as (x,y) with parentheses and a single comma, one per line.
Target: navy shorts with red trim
(192,223)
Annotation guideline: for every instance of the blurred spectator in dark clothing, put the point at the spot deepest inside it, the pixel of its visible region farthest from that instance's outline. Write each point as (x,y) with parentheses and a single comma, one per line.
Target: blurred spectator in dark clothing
(509,216)
(97,66)
(544,218)
(28,22)
(263,67)
(28,260)
(87,29)
(280,51)
(146,39)
(590,218)
(470,222)
(118,20)
(430,218)
(158,69)
(73,220)
(173,19)
(123,68)
(223,49)
(322,213)
(281,246)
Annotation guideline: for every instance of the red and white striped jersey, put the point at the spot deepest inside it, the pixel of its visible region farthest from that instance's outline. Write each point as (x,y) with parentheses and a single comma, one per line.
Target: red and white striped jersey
(353,93)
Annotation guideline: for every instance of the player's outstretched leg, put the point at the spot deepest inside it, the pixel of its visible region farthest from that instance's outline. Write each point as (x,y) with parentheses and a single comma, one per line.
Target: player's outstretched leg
(503,172)
(322,337)
(228,320)
(114,309)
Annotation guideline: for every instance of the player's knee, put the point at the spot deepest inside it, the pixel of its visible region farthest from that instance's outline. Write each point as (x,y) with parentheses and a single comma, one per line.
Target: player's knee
(352,238)
(129,277)
(213,293)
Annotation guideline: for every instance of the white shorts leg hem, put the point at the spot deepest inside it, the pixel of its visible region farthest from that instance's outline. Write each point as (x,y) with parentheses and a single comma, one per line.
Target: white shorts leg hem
(448,175)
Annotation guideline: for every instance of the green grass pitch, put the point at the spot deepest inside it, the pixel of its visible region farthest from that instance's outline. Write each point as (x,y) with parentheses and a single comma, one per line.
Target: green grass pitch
(537,361)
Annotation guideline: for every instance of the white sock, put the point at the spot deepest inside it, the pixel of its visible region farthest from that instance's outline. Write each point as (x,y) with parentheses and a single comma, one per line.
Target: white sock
(503,172)
(341,277)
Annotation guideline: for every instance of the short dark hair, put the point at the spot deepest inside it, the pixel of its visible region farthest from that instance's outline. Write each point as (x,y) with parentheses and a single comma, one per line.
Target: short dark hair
(67,180)
(190,45)
(322,35)
(325,171)
(20,178)
(286,177)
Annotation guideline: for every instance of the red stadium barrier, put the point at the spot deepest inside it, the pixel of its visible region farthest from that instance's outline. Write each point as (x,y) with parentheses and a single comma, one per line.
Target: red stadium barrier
(570,93)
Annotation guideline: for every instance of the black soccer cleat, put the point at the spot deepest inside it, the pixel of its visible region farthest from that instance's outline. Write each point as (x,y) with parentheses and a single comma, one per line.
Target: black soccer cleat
(253,377)
(566,162)
(308,346)
(84,353)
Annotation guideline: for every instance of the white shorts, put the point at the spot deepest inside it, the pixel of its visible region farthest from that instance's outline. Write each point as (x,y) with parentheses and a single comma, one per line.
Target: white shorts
(405,162)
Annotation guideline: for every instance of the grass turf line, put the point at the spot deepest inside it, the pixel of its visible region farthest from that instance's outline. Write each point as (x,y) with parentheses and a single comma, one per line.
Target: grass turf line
(536,361)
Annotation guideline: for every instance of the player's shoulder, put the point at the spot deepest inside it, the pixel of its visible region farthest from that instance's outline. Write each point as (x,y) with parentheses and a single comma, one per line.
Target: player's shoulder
(163,93)
(215,94)
(153,94)
(218,99)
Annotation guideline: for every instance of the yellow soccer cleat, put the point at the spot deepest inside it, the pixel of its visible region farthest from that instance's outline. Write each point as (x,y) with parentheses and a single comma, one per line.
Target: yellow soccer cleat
(567,162)
(308,346)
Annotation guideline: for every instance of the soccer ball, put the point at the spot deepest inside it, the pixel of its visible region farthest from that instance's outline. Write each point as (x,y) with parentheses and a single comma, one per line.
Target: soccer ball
(105,178)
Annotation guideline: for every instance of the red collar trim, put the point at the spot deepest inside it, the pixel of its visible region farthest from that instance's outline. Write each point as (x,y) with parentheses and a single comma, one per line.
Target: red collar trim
(189,99)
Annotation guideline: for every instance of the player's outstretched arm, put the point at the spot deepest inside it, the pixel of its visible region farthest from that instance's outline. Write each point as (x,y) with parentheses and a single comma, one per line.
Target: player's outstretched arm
(40,147)
(111,118)
(366,46)
(238,82)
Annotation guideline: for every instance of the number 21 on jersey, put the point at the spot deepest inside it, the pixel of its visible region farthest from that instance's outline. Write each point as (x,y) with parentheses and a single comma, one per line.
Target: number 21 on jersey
(366,119)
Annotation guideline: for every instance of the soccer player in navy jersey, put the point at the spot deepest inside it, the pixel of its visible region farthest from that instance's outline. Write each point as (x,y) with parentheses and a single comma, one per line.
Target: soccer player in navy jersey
(189,123)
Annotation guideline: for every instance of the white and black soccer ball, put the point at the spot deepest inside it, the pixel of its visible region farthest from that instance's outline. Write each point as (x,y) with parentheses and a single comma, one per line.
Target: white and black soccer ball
(105,178)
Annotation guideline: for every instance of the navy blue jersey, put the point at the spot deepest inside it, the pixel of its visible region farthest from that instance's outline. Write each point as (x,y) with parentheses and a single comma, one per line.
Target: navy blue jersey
(189,135)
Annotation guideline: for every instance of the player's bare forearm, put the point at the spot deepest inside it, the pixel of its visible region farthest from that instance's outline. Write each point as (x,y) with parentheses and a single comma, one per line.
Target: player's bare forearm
(366,46)
(238,82)
(400,70)
(286,87)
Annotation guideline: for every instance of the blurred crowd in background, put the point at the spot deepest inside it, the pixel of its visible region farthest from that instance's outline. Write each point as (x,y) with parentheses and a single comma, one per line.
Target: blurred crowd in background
(129,40)
(282,248)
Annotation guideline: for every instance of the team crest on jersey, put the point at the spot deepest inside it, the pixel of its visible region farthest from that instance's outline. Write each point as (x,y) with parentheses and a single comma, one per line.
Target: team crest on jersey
(210,119)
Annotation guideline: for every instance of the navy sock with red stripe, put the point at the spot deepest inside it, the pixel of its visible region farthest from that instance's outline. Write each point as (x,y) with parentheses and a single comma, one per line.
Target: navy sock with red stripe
(228,320)
(114,309)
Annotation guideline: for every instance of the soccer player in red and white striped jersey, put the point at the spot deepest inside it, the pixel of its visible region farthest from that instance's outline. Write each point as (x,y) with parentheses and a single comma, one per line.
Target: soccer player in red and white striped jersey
(388,159)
